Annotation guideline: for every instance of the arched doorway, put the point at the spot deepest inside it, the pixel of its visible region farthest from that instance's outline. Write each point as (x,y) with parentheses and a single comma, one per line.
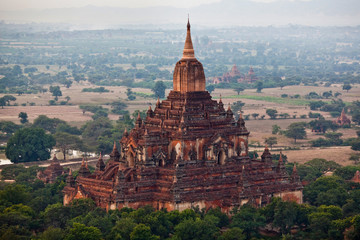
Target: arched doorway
(221,157)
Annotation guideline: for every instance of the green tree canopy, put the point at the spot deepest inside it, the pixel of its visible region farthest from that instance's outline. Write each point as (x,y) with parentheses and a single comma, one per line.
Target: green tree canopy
(159,89)
(249,220)
(23,117)
(80,231)
(46,123)
(29,144)
(346,87)
(296,131)
(272,113)
(66,141)
(56,92)
(210,88)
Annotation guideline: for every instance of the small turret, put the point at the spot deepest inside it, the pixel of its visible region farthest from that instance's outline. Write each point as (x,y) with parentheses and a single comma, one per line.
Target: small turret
(158,103)
(70,181)
(115,155)
(138,122)
(356,177)
(295,176)
(84,170)
(280,166)
(125,134)
(149,112)
(100,165)
(266,156)
(229,113)
(241,122)
(221,105)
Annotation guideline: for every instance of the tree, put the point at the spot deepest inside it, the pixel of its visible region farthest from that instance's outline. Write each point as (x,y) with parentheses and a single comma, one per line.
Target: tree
(316,104)
(234,233)
(48,124)
(254,115)
(142,232)
(322,125)
(259,86)
(327,94)
(355,158)
(52,233)
(275,129)
(355,145)
(56,92)
(249,220)
(272,113)
(236,108)
(130,94)
(2,102)
(346,87)
(159,89)
(28,145)
(102,112)
(296,131)
(9,98)
(197,229)
(8,128)
(23,117)
(118,107)
(210,88)
(326,190)
(271,141)
(64,127)
(123,227)
(355,112)
(66,141)
(80,231)
(238,90)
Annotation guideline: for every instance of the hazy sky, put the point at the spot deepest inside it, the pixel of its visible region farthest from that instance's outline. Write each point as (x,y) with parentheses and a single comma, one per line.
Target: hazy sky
(41,4)
(210,12)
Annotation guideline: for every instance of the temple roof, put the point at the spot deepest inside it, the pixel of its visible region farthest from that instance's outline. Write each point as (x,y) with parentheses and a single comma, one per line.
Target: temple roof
(188,51)
(189,73)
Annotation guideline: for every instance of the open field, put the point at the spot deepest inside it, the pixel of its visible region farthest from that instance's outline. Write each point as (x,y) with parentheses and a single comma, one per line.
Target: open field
(254,103)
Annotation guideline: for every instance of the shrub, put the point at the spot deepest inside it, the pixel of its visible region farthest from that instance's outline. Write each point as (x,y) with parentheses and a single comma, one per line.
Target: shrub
(320,142)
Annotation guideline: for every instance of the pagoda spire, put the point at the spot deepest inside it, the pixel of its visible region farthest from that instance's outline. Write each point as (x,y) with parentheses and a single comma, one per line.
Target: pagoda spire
(188,47)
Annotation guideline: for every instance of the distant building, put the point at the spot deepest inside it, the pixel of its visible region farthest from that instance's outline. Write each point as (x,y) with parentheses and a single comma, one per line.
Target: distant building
(356,177)
(234,76)
(50,174)
(189,151)
(342,119)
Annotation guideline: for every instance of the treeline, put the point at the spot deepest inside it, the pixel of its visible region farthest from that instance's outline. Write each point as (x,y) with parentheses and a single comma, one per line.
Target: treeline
(29,209)
(97,135)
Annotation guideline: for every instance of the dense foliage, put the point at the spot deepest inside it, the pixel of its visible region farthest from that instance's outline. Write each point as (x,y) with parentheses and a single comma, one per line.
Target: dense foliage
(28,145)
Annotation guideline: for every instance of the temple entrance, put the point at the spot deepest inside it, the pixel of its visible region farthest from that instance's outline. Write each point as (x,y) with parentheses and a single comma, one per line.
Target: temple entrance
(221,158)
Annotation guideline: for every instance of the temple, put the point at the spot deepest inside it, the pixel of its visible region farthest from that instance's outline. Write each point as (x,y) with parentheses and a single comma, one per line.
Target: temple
(342,119)
(234,76)
(189,151)
(50,174)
